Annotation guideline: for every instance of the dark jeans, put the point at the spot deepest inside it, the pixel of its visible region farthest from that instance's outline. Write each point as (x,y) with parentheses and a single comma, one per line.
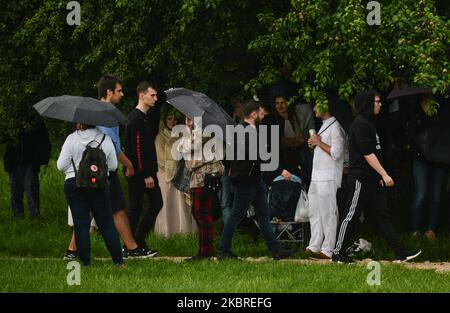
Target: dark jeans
(82,201)
(117,198)
(226,199)
(142,221)
(243,197)
(428,180)
(24,178)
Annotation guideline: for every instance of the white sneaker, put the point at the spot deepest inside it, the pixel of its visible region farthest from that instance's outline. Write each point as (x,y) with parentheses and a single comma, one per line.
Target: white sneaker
(408,256)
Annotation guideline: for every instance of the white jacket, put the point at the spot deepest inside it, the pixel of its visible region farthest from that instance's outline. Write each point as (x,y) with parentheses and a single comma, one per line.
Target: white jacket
(326,167)
(75,145)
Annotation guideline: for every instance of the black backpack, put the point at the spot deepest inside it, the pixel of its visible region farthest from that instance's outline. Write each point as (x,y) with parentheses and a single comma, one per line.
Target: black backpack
(93,170)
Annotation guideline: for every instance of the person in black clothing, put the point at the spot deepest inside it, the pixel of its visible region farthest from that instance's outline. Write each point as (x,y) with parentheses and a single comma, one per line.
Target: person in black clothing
(249,188)
(429,176)
(22,161)
(140,148)
(367,180)
(270,118)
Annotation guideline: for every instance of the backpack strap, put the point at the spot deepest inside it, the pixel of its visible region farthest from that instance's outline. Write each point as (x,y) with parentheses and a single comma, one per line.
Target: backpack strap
(74,167)
(104,135)
(103,138)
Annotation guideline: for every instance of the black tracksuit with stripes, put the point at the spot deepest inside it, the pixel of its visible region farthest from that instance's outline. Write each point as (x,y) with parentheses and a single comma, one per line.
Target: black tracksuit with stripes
(365,191)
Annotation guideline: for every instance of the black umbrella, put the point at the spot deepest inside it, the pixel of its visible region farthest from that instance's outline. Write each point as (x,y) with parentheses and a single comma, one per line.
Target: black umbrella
(405,90)
(195,104)
(81,110)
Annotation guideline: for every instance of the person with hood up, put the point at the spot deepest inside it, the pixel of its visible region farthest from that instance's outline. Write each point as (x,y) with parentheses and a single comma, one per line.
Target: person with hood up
(367,181)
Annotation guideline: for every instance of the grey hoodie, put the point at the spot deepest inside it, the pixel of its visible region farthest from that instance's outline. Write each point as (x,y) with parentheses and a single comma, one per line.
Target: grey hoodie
(75,145)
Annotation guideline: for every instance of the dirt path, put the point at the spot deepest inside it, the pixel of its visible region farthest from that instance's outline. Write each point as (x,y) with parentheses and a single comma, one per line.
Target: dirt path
(440,267)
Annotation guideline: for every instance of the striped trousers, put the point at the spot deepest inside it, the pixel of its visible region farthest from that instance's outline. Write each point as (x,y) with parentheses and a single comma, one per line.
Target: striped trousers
(371,199)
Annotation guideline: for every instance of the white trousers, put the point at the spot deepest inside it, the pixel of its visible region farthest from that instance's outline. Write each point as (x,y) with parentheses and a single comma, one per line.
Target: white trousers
(323,216)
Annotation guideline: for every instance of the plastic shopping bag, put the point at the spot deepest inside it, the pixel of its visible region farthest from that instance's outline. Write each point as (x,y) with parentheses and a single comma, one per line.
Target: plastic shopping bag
(302,210)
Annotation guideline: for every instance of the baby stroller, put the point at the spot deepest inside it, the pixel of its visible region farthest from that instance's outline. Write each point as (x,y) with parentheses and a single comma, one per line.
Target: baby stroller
(283,198)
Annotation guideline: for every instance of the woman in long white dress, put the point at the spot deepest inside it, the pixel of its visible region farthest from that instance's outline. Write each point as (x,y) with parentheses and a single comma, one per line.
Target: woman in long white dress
(175,216)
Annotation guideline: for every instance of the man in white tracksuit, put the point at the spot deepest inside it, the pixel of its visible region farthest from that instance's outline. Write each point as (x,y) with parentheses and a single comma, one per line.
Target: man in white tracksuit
(329,146)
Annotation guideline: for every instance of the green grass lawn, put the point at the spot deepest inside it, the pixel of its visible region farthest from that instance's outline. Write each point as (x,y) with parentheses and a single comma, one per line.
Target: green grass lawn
(31,252)
(163,276)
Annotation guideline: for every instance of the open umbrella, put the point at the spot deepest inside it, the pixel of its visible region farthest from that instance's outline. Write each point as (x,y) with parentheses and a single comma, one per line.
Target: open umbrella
(195,104)
(81,110)
(405,90)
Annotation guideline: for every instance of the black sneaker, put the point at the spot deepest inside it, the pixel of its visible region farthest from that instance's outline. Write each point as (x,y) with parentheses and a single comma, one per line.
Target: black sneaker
(342,258)
(139,253)
(70,255)
(408,256)
(125,252)
(283,254)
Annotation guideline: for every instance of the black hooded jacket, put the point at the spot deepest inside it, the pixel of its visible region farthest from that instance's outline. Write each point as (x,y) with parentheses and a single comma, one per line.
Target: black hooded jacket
(363,139)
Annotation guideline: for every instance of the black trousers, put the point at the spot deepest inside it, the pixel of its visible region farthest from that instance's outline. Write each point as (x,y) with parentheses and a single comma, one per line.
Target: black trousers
(371,199)
(142,221)
(24,179)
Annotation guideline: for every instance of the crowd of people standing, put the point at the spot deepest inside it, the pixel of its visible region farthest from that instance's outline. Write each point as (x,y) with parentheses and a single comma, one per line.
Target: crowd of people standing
(340,165)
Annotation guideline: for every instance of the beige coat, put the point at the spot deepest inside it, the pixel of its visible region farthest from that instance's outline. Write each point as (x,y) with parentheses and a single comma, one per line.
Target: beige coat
(199,168)
(166,163)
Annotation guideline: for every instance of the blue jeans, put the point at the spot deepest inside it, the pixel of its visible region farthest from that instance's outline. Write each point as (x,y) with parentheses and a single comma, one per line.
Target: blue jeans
(243,197)
(24,178)
(81,202)
(428,180)
(226,201)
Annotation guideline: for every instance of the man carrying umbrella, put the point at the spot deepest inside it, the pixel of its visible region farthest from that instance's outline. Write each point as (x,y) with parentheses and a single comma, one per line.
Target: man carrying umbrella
(140,149)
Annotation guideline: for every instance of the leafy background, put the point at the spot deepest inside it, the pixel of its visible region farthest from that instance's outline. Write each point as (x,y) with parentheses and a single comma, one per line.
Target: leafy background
(223,48)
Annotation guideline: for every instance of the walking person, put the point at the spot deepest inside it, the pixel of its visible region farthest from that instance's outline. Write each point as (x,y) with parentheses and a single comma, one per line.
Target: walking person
(367,181)
(110,90)
(83,200)
(202,198)
(326,178)
(249,188)
(140,148)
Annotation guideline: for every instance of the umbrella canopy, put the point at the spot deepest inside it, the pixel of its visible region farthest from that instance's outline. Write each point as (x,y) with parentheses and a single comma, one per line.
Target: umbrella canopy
(195,104)
(406,90)
(81,110)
